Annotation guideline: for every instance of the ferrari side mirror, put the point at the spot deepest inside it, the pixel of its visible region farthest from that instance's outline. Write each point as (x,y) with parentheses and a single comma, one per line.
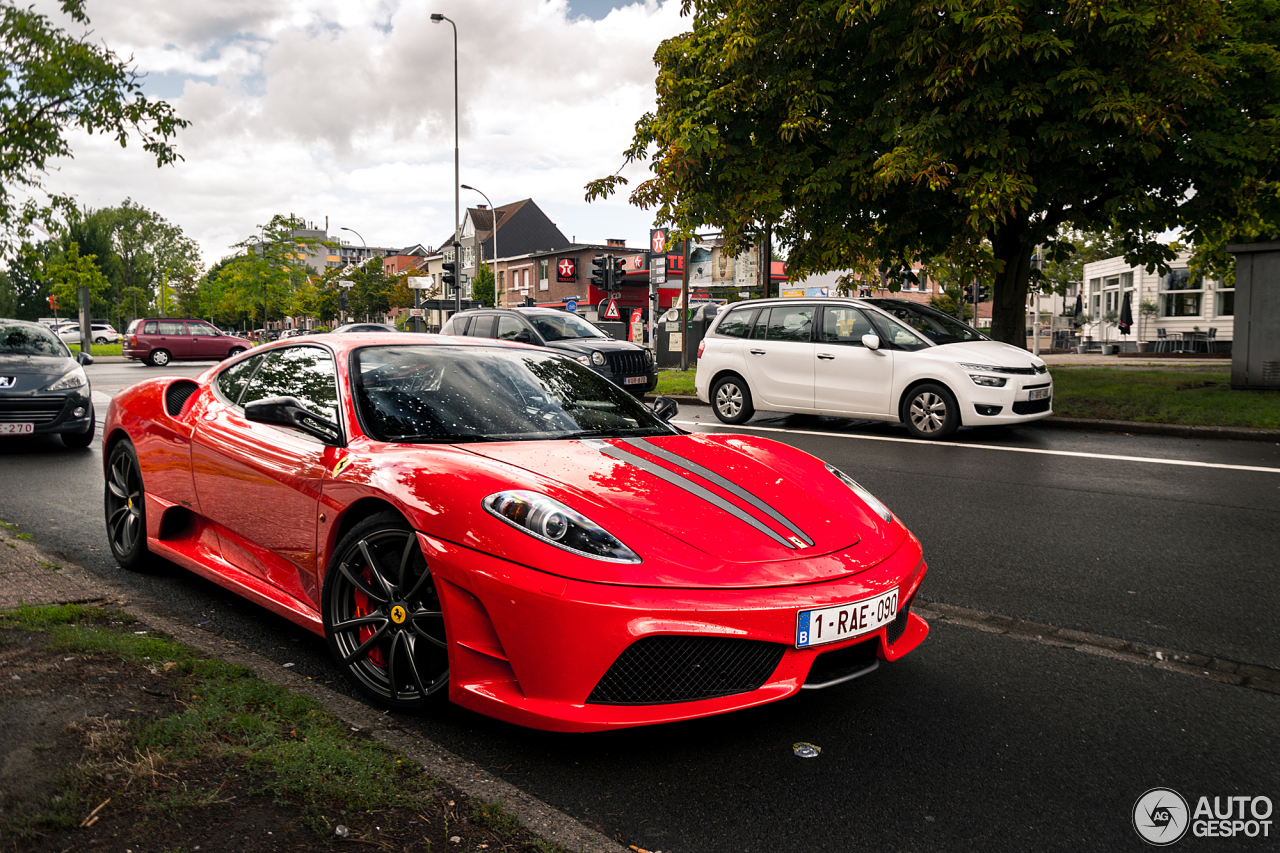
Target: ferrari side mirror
(289,412)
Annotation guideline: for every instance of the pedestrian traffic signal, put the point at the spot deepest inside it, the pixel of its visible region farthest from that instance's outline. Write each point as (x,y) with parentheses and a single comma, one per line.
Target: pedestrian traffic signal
(600,266)
(450,278)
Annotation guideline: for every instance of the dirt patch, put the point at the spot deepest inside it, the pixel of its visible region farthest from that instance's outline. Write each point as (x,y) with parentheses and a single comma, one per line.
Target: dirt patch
(72,776)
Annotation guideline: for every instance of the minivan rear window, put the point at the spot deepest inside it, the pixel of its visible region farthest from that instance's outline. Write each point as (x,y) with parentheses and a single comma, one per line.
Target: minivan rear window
(737,323)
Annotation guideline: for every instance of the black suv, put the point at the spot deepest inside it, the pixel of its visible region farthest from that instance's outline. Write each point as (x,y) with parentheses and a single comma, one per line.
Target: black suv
(629,365)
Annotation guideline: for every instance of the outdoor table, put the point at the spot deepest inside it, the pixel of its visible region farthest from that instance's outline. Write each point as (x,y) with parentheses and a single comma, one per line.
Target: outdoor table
(1194,338)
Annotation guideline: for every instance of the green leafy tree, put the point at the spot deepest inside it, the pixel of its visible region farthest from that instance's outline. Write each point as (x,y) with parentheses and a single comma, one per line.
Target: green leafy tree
(269,270)
(482,285)
(53,84)
(369,292)
(70,273)
(884,132)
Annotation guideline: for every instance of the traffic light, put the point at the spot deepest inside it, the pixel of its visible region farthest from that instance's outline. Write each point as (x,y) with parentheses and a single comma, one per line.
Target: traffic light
(342,301)
(450,279)
(619,269)
(53,302)
(983,294)
(600,266)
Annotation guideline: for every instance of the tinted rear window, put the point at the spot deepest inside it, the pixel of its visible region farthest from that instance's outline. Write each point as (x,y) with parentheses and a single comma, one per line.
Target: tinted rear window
(737,324)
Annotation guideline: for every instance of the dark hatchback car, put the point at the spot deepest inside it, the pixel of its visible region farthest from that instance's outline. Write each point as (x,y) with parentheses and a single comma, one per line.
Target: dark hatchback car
(158,341)
(43,390)
(629,365)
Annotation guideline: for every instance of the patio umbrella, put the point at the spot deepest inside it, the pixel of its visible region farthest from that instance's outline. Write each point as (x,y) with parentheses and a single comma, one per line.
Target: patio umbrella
(1126,314)
(1079,305)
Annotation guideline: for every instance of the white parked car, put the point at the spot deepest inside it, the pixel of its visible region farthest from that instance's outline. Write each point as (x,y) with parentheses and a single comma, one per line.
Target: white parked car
(99,333)
(873,359)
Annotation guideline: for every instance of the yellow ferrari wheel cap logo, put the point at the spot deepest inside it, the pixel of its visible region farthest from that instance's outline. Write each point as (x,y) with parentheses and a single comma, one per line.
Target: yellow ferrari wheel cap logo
(398,615)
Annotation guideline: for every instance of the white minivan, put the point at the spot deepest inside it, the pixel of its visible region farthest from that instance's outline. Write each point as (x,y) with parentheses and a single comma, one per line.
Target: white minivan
(872,359)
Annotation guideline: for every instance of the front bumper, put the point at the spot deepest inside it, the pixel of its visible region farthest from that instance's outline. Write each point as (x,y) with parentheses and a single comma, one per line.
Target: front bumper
(49,413)
(1006,405)
(530,647)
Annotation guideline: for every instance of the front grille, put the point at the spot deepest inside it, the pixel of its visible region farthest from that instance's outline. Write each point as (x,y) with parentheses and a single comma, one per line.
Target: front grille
(177,395)
(659,670)
(627,363)
(893,633)
(1030,407)
(36,410)
(842,664)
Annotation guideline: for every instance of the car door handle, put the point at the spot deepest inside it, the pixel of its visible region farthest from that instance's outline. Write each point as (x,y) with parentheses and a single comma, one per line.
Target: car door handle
(825,357)
(757,352)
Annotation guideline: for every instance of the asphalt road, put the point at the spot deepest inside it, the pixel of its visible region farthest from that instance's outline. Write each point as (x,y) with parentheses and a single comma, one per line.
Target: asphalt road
(976,741)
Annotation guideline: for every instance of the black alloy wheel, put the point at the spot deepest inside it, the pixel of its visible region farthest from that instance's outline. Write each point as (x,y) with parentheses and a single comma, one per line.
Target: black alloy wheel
(159,357)
(125,504)
(930,411)
(731,400)
(383,617)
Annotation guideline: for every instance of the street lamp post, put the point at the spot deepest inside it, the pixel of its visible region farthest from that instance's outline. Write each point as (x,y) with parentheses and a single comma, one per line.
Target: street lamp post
(457,180)
(494,210)
(362,260)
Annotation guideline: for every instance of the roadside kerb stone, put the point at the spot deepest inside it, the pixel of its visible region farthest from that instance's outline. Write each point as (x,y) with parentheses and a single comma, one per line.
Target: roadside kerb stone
(1200,666)
(29,575)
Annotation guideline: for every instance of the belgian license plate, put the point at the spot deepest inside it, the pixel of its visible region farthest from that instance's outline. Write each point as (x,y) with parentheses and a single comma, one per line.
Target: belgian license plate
(844,621)
(1039,394)
(635,380)
(17,429)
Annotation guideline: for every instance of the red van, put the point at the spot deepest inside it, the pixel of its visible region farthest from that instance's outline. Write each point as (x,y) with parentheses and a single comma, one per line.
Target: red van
(160,341)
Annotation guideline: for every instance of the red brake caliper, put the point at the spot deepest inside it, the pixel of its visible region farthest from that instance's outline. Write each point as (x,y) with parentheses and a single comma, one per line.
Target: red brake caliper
(363,609)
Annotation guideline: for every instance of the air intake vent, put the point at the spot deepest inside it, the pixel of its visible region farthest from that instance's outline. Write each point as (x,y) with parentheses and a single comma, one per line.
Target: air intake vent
(659,670)
(177,395)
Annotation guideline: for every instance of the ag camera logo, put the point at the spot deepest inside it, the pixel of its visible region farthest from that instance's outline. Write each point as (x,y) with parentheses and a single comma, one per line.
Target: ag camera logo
(1160,816)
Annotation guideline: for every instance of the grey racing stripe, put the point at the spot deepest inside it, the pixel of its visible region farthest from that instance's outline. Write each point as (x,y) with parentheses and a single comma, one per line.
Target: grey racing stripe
(682,483)
(712,476)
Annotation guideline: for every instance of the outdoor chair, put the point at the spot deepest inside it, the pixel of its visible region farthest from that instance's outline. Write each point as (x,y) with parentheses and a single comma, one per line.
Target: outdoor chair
(1211,342)
(1163,342)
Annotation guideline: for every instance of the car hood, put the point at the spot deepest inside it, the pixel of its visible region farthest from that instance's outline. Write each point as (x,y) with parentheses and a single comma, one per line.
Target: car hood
(994,353)
(578,346)
(34,372)
(699,510)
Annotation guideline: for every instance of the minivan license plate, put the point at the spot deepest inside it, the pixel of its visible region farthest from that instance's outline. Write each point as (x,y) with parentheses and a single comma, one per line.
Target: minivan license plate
(845,621)
(1038,394)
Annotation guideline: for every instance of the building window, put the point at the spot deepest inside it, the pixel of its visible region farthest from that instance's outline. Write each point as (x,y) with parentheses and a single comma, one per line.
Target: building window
(544,268)
(1225,302)
(1182,294)
(1095,297)
(468,257)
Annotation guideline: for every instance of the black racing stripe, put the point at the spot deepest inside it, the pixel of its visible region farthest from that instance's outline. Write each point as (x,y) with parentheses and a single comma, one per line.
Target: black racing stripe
(728,486)
(680,482)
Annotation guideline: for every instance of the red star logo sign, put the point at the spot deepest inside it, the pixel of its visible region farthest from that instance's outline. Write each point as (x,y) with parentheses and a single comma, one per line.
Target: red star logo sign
(659,240)
(566,269)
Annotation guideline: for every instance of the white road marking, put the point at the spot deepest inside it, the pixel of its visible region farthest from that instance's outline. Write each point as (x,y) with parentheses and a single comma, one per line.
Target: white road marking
(1187,463)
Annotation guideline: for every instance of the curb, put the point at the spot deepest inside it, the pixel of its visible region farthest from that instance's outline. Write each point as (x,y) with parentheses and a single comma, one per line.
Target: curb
(1130,427)
(32,576)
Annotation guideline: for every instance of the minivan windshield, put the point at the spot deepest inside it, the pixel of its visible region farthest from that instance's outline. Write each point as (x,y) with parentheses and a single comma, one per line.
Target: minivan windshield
(933,324)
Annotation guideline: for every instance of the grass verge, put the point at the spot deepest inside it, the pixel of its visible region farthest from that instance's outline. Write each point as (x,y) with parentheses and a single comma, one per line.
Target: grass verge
(189,749)
(1147,396)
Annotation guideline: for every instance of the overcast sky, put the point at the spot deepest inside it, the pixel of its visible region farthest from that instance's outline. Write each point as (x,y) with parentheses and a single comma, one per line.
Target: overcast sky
(344,109)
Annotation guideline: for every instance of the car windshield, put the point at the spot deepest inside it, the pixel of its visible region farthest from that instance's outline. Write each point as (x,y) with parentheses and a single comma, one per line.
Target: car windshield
(456,394)
(933,324)
(560,327)
(21,339)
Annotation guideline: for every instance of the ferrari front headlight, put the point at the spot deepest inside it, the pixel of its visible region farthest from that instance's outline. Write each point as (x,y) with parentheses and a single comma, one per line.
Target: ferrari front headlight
(867,498)
(554,523)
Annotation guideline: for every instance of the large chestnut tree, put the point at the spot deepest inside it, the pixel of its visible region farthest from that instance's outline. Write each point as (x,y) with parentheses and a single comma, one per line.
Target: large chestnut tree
(870,135)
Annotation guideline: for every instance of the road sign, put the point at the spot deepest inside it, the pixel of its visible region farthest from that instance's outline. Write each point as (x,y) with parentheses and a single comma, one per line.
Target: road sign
(422,282)
(571,306)
(611,311)
(415,312)
(463,278)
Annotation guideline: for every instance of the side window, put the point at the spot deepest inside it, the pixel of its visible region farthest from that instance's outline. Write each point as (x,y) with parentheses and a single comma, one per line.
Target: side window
(737,324)
(231,381)
(170,328)
(482,326)
(844,326)
(458,325)
(151,328)
(896,335)
(201,329)
(786,323)
(508,328)
(303,372)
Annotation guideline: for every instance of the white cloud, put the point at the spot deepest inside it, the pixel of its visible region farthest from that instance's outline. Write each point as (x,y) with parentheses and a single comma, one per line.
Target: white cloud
(345,109)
